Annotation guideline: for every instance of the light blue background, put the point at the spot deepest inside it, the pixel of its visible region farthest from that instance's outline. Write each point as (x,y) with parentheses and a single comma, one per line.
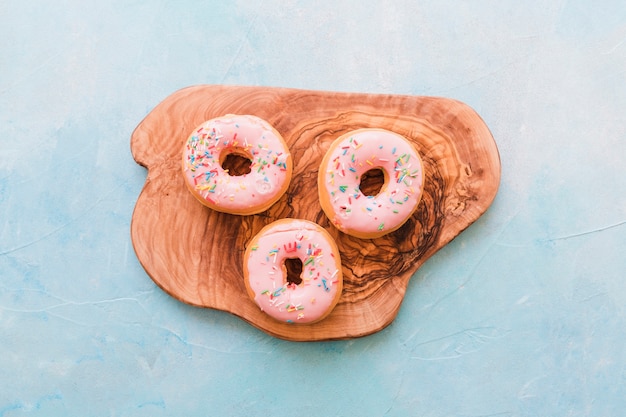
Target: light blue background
(524,314)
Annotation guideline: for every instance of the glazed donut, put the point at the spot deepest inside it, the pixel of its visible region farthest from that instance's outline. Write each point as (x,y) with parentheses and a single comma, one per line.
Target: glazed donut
(350,157)
(267,279)
(249,137)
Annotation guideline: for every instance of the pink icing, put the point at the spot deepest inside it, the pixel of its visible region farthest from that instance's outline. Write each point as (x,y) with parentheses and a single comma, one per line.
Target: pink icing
(357,153)
(248,135)
(321,273)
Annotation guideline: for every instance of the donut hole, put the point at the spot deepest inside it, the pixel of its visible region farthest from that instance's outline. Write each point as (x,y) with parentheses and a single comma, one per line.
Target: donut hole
(293,267)
(236,162)
(372,182)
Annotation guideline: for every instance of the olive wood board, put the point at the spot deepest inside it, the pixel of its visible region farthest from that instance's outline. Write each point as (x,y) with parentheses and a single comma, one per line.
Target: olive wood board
(195,254)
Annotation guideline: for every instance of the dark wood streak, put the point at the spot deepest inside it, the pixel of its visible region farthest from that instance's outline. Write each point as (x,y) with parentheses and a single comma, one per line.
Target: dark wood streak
(196,254)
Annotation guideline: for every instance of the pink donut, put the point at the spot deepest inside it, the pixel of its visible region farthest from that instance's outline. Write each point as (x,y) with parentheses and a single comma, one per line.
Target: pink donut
(249,137)
(266,275)
(351,156)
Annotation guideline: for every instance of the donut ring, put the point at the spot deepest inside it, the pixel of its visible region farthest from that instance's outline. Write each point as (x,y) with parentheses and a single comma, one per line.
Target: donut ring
(266,276)
(249,137)
(352,155)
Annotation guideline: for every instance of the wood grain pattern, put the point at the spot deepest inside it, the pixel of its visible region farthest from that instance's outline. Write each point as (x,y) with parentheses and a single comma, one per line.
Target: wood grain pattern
(195,254)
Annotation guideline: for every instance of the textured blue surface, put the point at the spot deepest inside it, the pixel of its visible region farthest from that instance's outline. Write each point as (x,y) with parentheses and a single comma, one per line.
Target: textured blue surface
(524,314)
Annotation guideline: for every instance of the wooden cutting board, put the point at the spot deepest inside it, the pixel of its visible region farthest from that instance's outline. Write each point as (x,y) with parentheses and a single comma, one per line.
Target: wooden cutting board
(196,254)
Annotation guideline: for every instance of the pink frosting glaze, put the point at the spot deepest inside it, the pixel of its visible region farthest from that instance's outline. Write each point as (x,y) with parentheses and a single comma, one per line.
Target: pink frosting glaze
(322,279)
(249,136)
(356,153)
